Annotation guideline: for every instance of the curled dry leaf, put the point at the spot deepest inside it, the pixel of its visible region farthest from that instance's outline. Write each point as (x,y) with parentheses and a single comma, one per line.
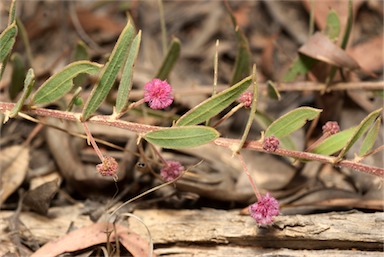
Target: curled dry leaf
(92,235)
(14,162)
(320,47)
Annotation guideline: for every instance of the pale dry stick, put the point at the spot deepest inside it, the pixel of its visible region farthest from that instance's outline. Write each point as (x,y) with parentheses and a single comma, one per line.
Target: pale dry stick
(224,142)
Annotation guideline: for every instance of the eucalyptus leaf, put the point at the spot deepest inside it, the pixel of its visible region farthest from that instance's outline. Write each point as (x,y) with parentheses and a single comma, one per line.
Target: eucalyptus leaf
(182,137)
(361,129)
(214,105)
(332,27)
(370,138)
(126,79)
(335,142)
(28,85)
(291,121)
(18,75)
(61,83)
(170,59)
(109,72)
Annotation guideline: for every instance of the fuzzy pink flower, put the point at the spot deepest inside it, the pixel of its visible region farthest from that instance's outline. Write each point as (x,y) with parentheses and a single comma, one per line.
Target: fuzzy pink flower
(158,94)
(264,210)
(171,170)
(108,167)
(246,99)
(331,127)
(271,144)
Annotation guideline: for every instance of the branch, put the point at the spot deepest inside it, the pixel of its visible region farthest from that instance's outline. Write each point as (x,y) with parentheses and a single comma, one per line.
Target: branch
(223,142)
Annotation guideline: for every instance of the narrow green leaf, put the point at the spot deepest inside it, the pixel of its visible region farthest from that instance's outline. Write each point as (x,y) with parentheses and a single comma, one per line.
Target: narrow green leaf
(109,73)
(361,129)
(170,59)
(126,79)
(7,40)
(243,57)
(335,142)
(273,93)
(80,53)
(251,116)
(182,137)
(332,28)
(214,105)
(28,85)
(291,121)
(12,13)
(264,121)
(370,138)
(61,83)
(18,75)
(300,66)
(348,27)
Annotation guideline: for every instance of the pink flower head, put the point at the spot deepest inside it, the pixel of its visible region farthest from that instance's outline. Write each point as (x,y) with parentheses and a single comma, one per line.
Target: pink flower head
(246,99)
(158,94)
(270,144)
(331,127)
(264,210)
(108,167)
(171,170)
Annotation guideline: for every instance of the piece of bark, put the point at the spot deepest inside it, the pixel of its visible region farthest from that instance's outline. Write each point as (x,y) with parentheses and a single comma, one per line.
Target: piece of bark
(363,231)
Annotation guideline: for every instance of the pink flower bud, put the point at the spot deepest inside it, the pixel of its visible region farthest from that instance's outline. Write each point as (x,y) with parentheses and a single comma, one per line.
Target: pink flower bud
(246,99)
(331,127)
(158,94)
(171,170)
(271,144)
(108,167)
(264,210)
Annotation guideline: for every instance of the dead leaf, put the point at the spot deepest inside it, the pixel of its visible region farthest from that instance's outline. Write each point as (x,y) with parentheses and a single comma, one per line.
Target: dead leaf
(320,47)
(14,162)
(39,199)
(370,54)
(92,235)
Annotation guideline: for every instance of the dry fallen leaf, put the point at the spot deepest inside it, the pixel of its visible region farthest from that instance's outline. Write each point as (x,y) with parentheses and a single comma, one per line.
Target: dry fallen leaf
(320,47)
(92,235)
(14,162)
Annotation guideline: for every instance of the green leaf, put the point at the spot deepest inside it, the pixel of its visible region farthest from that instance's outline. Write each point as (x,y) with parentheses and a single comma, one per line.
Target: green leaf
(126,79)
(252,112)
(361,129)
(334,143)
(300,66)
(214,105)
(28,85)
(80,53)
(61,83)
(12,13)
(182,137)
(7,40)
(243,57)
(273,93)
(18,75)
(109,73)
(370,138)
(291,121)
(332,28)
(170,59)
(264,121)
(348,27)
